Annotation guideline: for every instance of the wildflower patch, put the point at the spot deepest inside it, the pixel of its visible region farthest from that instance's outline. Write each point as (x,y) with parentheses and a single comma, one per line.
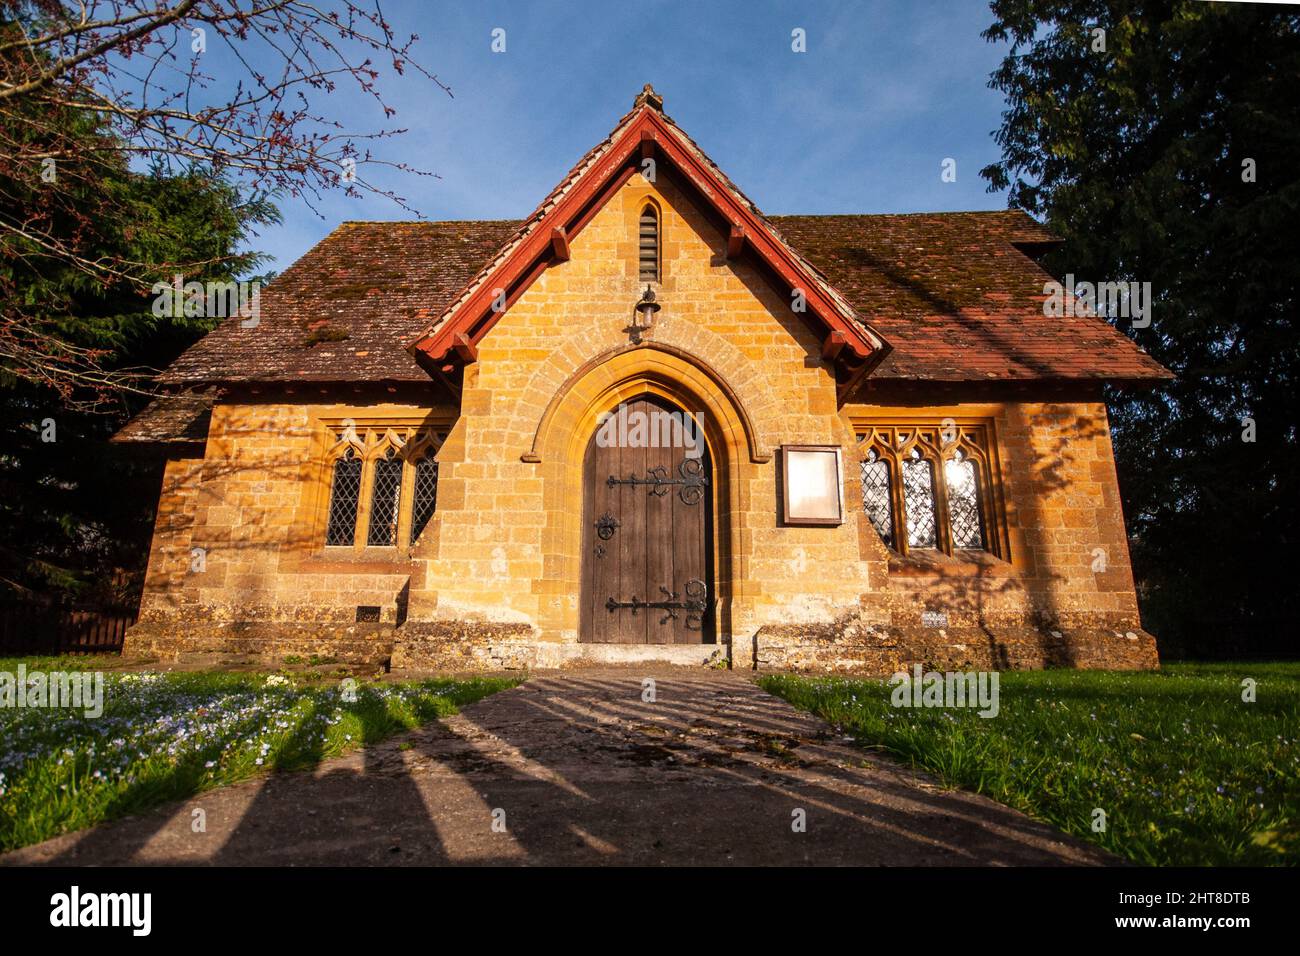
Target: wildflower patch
(168,736)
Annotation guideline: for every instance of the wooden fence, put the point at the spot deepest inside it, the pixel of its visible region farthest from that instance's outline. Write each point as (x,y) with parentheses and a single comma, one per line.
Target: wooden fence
(41,628)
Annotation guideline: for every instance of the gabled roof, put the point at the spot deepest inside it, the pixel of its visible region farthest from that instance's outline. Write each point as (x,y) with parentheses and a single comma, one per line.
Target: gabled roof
(959,300)
(344,311)
(644,132)
(955,297)
(952,293)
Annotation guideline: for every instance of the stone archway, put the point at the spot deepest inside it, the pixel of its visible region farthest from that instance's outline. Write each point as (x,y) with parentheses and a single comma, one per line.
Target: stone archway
(559,448)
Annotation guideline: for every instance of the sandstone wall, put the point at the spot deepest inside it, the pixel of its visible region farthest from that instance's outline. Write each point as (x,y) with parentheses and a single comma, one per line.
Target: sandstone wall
(499,564)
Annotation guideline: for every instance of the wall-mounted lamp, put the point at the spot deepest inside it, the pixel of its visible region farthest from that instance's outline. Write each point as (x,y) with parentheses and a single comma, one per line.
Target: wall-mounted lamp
(643,317)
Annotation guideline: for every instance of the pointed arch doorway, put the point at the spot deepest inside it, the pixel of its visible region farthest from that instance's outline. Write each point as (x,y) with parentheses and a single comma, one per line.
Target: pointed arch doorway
(648,535)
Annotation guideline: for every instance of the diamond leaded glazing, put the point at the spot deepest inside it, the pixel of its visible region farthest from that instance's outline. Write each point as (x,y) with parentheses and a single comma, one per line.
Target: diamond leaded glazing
(875,496)
(383,501)
(345,493)
(918,502)
(963,502)
(426,495)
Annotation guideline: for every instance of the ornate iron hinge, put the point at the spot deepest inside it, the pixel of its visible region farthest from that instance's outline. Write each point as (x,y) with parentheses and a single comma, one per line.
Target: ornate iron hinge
(697,602)
(693,480)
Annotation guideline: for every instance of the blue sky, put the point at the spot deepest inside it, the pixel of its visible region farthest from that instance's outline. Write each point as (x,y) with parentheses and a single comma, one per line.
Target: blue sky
(859,123)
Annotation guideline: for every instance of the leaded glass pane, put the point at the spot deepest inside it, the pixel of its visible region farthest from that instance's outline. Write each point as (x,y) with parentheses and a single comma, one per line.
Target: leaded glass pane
(963,503)
(383,501)
(875,496)
(345,493)
(426,495)
(918,502)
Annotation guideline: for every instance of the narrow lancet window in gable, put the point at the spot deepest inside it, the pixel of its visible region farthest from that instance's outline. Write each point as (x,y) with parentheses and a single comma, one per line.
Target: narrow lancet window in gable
(649,247)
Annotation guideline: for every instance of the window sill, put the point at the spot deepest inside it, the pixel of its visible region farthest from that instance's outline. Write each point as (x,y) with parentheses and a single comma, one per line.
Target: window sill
(926,562)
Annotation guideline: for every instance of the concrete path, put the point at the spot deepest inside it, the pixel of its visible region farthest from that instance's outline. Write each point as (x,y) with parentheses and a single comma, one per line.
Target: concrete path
(577,769)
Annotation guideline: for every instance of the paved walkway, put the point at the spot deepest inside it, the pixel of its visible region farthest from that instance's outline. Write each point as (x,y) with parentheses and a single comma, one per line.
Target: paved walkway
(581,771)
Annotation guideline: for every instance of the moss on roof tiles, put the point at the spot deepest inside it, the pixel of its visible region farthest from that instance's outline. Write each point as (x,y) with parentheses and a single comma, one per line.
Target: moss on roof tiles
(951,292)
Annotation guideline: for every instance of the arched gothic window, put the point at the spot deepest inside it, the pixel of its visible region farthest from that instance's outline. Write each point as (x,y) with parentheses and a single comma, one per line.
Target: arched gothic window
(345,495)
(383,484)
(425,500)
(932,486)
(385,497)
(877,495)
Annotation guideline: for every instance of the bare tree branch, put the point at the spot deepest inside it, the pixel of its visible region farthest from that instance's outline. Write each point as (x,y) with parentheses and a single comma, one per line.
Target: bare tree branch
(118,73)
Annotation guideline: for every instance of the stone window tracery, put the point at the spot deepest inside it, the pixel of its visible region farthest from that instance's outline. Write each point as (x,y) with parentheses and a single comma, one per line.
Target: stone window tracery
(383,483)
(931,485)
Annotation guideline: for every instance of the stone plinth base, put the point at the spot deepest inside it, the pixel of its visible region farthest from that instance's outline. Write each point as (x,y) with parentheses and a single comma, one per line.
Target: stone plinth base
(267,642)
(464,646)
(884,650)
(850,646)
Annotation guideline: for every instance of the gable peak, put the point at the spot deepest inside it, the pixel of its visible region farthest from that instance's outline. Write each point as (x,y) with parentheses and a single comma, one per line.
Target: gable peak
(648,97)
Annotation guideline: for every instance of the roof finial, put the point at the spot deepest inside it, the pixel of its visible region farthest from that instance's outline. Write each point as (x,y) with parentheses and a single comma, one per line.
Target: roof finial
(648,97)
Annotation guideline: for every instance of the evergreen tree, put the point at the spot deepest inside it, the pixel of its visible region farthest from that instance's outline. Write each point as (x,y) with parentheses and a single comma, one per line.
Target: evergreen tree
(1164,150)
(77,513)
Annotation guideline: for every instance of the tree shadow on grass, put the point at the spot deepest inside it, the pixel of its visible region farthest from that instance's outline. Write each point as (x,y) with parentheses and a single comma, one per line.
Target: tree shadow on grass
(181,781)
(303,750)
(580,770)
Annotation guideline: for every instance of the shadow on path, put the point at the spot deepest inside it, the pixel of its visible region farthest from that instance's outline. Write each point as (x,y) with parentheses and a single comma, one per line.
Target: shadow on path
(579,769)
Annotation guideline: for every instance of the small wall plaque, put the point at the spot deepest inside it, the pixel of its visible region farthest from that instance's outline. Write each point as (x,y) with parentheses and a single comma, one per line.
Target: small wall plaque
(812,480)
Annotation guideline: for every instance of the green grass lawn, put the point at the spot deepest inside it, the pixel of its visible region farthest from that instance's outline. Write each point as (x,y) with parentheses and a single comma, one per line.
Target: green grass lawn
(1186,772)
(166,736)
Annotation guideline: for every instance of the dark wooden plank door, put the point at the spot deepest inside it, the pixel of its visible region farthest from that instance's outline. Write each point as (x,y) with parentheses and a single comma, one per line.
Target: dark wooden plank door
(647,536)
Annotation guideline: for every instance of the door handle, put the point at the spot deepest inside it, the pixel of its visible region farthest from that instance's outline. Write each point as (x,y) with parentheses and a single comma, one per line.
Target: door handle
(606,525)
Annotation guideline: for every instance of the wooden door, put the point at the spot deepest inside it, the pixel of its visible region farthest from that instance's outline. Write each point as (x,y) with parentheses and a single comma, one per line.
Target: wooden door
(648,538)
